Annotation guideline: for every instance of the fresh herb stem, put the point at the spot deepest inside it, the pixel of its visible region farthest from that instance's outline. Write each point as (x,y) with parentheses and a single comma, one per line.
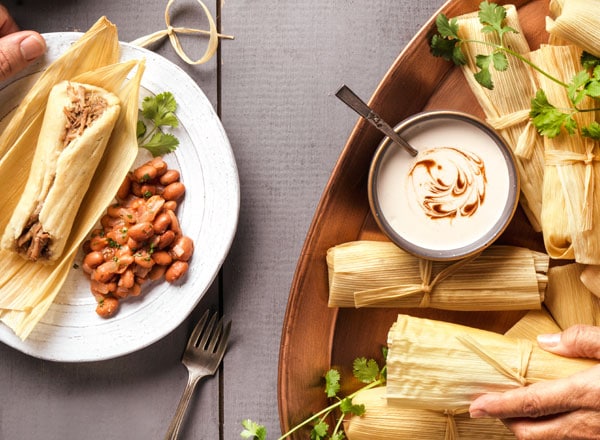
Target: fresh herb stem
(520,57)
(326,411)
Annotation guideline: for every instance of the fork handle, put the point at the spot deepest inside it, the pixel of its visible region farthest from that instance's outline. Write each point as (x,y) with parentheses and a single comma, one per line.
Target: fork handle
(188,392)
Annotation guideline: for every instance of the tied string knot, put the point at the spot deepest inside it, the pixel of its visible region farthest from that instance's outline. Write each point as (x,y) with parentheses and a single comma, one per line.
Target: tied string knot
(394,295)
(451,428)
(559,158)
(172,32)
(528,140)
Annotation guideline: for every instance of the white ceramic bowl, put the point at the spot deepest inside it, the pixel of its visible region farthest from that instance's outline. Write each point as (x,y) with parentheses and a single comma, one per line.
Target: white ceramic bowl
(455,197)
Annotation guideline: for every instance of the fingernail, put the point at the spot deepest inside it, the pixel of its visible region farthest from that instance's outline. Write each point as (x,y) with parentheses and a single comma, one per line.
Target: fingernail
(32,47)
(477,413)
(549,340)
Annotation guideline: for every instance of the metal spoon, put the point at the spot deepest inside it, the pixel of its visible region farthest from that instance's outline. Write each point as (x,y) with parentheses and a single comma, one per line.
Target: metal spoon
(350,98)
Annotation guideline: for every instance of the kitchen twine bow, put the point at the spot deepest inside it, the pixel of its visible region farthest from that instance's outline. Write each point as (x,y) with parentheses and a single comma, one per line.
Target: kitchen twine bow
(385,296)
(560,158)
(451,429)
(171,32)
(528,140)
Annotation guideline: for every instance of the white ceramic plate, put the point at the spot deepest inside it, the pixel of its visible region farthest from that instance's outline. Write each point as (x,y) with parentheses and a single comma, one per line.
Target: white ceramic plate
(71,331)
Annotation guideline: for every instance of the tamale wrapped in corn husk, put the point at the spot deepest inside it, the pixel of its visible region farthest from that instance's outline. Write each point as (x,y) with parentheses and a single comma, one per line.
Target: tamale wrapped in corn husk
(570,211)
(380,274)
(575,22)
(534,323)
(28,288)
(567,298)
(507,106)
(444,366)
(385,421)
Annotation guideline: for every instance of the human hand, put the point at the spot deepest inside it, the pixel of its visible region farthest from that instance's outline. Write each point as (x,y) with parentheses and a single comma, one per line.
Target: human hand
(564,409)
(17,48)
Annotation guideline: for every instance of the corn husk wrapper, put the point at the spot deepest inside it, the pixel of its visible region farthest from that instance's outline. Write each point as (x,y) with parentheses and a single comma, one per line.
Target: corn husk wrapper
(568,300)
(27,289)
(575,22)
(380,274)
(385,421)
(534,323)
(570,212)
(590,277)
(507,106)
(443,366)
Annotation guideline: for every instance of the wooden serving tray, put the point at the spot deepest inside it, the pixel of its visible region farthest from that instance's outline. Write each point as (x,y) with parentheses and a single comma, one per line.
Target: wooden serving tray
(315,337)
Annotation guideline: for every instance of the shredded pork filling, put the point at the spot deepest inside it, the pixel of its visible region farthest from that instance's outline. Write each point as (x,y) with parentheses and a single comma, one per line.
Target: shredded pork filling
(85,107)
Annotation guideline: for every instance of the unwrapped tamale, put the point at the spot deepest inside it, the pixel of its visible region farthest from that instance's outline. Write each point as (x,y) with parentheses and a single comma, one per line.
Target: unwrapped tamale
(380,274)
(444,366)
(385,421)
(77,125)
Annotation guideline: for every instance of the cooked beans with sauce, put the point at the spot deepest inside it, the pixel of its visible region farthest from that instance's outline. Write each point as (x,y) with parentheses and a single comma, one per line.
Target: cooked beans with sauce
(140,238)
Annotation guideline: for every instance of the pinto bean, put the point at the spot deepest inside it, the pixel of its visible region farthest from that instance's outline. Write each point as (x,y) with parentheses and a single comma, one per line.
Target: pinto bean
(143,259)
(141,231)
(162,258)
(174,191)
(93,259)
(182,249)
(169,177)
(170,205)
(145,173)
(161,223)
(107,307)
(105,272)
(157,272)
(124,189)
(176,271)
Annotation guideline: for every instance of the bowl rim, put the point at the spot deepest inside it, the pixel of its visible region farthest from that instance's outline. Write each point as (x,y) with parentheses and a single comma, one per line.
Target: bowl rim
(463,251)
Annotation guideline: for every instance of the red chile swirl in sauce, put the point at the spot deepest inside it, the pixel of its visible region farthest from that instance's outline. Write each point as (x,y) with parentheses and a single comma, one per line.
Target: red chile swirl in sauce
(448,183)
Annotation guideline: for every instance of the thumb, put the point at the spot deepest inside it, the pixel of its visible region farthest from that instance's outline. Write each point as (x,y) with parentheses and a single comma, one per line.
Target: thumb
(17,50)
(581,341)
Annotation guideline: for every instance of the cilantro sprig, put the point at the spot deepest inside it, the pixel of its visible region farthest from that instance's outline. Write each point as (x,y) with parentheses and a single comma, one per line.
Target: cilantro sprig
(547,118)
(158,112)
(367,371)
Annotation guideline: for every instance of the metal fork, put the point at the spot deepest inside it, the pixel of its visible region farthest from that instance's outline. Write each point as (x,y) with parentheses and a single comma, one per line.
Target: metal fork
(202,356)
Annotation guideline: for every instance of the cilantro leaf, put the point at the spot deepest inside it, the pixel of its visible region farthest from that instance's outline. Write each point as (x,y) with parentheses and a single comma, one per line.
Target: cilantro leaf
(140,129)
(347,407)
(253,430)
(338,436)
(492,17)
(548,119)
(332,383)
(161,144)
(160,109)
(484,76)
(446,43)
(592,130)
(365,370)
(589,61)
(319,431)
(577,87)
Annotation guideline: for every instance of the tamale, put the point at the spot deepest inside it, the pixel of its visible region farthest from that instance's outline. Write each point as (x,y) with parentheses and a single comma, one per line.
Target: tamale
(507,106)
(385,421)
(570,212)
(77,125)
(27,289)
(567,298)
(575,22)
(380,274)
(590,277)
(534,323)
(444,366)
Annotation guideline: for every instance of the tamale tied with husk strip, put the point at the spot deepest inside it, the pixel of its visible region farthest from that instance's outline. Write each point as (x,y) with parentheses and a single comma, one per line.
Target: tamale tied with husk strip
(570,211)
(385,421)
(573,21)
(507,106)
(533,324)
(444,366)
(567,298)
(380,274)
(27,289)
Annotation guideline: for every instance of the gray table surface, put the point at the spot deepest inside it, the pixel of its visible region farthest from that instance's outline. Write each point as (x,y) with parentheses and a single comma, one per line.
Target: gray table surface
(273,88)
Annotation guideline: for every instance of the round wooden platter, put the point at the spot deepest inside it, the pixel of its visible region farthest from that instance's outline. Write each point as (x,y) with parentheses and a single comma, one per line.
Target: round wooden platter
(315,337)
